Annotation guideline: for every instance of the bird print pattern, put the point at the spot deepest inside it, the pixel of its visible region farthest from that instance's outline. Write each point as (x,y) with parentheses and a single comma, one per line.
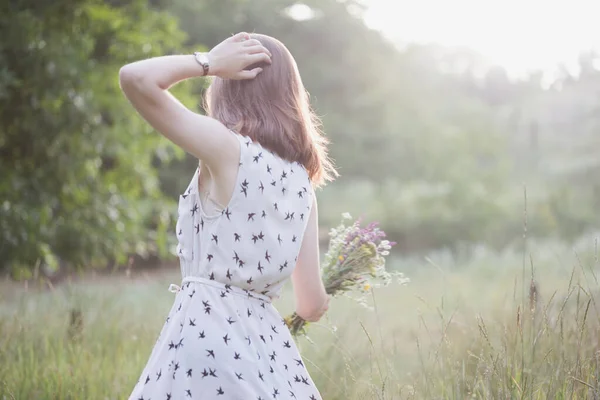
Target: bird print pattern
(223,338)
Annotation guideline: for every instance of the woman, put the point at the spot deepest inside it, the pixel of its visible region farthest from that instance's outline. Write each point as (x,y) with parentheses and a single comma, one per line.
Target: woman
(247,222)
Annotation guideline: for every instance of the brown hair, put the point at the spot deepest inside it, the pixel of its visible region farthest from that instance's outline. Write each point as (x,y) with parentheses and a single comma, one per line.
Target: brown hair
(273,109)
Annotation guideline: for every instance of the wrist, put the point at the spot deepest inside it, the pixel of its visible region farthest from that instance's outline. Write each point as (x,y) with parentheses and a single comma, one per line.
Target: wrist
(214,63)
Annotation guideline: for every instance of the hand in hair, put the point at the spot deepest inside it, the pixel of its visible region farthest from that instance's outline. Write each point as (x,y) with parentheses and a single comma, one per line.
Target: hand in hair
(230,58)
(146,84)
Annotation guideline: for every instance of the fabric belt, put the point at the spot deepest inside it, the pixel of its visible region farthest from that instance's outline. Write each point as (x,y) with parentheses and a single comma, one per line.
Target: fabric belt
(173,288)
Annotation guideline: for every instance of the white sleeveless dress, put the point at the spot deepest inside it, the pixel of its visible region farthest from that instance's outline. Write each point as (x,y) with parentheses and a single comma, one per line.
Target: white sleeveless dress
(223,339)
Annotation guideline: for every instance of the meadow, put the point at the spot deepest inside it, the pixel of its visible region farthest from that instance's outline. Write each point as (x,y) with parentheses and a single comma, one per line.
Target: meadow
(434,141)
(516,325)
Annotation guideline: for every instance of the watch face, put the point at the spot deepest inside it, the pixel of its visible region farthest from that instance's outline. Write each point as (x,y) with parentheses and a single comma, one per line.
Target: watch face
(202,58)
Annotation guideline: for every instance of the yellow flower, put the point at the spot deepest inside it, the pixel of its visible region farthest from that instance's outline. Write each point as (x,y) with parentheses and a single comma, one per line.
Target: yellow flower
(367,287)
(341,258)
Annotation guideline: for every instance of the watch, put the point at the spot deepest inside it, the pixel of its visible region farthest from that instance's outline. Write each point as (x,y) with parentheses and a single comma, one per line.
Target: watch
(202,59)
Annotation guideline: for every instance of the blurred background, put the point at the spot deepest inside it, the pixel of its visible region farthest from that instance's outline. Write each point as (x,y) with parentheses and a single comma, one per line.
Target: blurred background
(469,129)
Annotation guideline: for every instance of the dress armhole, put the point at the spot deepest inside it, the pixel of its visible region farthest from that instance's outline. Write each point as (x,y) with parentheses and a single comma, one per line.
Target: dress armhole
(237,189)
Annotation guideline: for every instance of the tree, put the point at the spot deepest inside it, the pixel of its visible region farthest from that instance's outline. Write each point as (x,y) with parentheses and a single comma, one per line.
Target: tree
(79,179)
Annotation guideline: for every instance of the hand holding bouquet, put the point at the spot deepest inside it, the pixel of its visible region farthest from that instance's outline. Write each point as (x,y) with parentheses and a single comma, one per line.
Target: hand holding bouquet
(355,260)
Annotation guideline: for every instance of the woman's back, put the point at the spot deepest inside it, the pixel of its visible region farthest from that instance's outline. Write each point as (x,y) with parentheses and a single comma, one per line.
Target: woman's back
(254,242)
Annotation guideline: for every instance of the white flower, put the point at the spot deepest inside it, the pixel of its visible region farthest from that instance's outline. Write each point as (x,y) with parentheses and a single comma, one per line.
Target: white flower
(385,245)
(346,215)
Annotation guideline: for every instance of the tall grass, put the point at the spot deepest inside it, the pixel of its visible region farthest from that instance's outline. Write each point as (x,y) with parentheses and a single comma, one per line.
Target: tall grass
(491,327)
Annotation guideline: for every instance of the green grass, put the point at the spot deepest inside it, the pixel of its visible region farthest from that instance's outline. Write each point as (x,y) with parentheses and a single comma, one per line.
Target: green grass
(457,331)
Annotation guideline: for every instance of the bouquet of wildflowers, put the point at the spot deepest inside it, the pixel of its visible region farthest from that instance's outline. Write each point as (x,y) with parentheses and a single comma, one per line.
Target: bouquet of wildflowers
(355,261)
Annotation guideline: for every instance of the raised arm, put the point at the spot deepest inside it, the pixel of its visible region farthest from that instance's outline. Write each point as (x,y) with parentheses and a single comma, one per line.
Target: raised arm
(311,299)
(146,84)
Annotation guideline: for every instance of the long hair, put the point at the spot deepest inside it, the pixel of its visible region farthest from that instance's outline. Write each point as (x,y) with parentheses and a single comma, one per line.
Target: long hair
(273,109)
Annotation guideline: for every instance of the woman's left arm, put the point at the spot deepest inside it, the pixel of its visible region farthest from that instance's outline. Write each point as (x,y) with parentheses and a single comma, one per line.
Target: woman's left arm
(146,84)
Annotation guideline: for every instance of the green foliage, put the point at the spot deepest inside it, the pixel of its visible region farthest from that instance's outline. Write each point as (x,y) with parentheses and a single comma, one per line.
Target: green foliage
(79,175)
(430,141)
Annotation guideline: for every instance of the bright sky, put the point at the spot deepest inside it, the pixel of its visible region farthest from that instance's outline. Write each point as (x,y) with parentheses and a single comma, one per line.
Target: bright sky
(520,35)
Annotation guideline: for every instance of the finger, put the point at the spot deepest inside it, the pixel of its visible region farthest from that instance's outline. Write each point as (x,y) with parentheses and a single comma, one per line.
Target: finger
(258,58)
(240,37)
(252,42)
(258,49)
(251,74)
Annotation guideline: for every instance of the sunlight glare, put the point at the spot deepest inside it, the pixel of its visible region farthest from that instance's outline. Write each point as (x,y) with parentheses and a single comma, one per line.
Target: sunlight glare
(520,35)
(300,12)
